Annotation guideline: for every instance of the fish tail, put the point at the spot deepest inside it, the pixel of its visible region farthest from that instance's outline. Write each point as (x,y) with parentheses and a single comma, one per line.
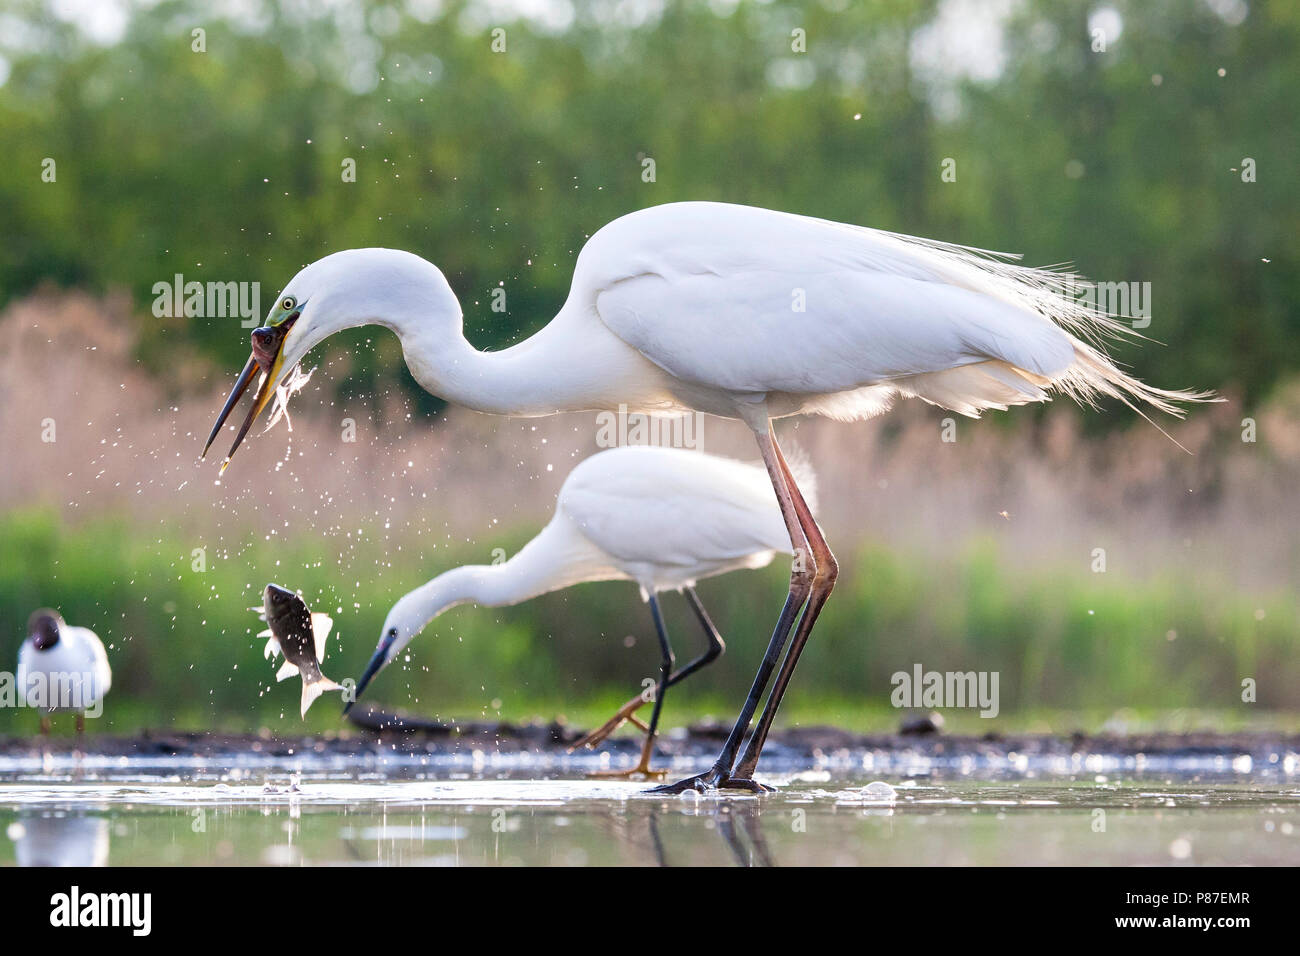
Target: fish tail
(313,689)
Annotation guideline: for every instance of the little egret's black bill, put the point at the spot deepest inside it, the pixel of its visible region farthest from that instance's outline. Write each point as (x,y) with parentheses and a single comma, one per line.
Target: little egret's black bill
(377,662)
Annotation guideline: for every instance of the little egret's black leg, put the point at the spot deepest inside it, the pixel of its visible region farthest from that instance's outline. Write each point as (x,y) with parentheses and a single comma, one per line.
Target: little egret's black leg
(802,575)
(719,775)
(626,713)
(665,673)
(823,584)
(716,644)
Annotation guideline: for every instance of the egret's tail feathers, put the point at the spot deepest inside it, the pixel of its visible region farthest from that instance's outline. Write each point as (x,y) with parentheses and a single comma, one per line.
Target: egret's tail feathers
(1093,373)
(313,689)
(1065,299)
(1054,292)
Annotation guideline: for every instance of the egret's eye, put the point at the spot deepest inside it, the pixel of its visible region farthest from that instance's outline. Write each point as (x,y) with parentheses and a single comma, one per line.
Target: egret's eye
(288,303)
(392,632)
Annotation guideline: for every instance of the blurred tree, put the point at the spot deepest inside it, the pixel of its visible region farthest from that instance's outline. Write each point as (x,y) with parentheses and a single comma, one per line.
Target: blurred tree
(227,164)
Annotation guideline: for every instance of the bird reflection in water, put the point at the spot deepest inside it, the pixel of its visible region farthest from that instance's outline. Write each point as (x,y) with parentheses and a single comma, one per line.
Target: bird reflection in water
(60,839)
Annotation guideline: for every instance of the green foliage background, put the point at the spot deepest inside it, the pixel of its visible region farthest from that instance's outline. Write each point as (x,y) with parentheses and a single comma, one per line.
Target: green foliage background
(226,164)
(1068,649)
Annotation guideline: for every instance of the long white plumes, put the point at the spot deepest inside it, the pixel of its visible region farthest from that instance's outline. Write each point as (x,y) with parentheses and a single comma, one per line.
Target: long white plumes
(1059,296)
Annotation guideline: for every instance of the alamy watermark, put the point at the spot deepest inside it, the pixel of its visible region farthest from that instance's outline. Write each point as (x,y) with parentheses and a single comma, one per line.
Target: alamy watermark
(210,300)
(56,690)
(1122,300)
(946,689)
(615,429)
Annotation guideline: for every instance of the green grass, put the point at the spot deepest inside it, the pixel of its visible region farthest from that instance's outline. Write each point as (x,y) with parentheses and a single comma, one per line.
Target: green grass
(1071,648)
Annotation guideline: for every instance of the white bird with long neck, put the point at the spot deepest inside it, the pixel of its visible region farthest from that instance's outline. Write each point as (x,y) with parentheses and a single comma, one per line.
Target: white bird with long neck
(740,312)
(663,518)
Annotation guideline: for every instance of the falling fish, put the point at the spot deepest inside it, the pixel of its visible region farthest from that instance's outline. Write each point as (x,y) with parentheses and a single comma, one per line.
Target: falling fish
(300,635)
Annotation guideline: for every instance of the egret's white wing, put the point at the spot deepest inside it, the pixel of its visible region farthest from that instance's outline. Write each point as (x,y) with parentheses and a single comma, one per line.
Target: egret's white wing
(668,507)
(712,293)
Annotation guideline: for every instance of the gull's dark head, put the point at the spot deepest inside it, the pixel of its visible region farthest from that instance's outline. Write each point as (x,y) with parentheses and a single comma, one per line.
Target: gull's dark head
(43,628)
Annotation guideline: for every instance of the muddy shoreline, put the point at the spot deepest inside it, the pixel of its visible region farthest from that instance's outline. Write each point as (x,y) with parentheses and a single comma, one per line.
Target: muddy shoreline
(374,732)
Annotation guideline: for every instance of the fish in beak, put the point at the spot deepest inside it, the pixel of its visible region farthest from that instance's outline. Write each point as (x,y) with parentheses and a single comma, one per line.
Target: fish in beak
(268,356)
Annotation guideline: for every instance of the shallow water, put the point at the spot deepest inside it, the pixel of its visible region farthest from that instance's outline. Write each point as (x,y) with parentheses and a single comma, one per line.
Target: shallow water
(524,809)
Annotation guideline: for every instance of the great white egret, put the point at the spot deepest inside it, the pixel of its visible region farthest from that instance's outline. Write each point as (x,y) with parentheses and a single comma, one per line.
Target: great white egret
(661,517)
(62,668)
(740,312)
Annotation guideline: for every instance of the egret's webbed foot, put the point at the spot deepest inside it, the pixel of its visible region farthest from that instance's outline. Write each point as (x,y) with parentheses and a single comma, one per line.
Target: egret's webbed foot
(714,779)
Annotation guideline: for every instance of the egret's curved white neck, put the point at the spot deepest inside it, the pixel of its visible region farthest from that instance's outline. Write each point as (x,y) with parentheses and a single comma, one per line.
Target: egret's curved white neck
(522,577)
(572,364)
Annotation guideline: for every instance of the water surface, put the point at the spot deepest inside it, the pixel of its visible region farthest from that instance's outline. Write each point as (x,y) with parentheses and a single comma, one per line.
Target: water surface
(524,809)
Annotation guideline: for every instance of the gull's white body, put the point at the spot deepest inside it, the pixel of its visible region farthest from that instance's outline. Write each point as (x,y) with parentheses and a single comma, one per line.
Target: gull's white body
(697,306)
(77,664)
(661,517)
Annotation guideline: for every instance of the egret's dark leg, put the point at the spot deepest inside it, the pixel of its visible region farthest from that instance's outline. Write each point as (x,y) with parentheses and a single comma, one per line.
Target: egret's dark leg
(823,583)
(665,672)
(628,710)
(716,644)
(801,578)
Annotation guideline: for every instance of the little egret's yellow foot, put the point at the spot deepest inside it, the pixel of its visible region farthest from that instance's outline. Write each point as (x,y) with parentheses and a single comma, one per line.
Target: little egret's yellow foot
(623,715)
(639,772)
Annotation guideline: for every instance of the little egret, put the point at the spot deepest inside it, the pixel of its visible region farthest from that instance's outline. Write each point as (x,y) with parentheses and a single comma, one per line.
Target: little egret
(62,668)
(734,311)
(661,517)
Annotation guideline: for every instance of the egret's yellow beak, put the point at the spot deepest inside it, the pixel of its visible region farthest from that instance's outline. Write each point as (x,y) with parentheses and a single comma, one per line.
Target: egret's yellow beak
(268,355)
